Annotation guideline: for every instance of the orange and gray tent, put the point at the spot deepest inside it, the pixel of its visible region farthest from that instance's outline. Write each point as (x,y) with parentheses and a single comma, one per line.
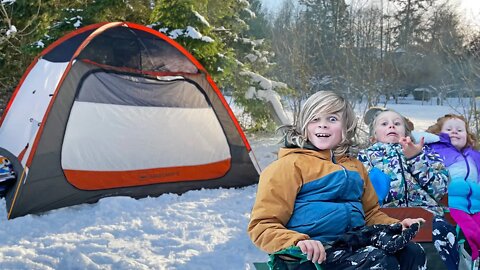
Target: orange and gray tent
(118,109)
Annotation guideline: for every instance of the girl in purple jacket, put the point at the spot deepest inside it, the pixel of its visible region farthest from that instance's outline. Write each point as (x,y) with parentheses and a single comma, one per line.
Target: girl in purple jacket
(456,146)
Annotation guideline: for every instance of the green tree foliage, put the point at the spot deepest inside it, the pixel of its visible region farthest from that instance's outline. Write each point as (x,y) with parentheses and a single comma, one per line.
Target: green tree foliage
(183,21)
(410,28)
(23,18)
(443,45)
(39,23)
(224,44)
(216,32)
(252,54)
(292,58)
(326,21)
(259,26)
(61,17)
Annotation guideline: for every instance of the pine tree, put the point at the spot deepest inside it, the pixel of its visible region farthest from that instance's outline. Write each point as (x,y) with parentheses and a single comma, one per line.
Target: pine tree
(223,45)
(39,23)
(186,23)
(216,32)
(410,28)
(326,21)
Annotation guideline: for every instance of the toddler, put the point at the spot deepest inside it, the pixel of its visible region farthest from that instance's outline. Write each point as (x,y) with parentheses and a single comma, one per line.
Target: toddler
(456,146)
(418,177)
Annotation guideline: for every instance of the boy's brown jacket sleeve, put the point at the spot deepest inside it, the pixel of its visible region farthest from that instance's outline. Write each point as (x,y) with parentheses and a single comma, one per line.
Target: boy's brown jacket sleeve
(373,215)
(274,203)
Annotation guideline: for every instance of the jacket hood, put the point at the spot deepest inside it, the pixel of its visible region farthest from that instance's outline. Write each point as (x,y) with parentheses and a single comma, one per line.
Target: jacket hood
(450,154)
(444,138)
(388,147)
(321,154)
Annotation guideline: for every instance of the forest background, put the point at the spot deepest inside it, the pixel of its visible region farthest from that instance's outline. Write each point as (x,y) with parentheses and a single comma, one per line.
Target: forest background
(370,51)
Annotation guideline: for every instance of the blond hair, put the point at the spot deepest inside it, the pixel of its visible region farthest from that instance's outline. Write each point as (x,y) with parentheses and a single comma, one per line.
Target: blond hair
(406,122)
(323,102)
(437,128)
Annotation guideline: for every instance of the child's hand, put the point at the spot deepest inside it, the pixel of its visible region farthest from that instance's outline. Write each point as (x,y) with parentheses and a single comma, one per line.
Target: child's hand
(314,250)
(409,221)
(409,148)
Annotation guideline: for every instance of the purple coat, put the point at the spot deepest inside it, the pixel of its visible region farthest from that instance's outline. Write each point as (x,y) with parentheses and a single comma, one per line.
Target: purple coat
(450,154)
(463,194)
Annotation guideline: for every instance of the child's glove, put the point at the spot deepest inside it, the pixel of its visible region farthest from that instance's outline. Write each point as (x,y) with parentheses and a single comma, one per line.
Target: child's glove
(355,239)
(392,238)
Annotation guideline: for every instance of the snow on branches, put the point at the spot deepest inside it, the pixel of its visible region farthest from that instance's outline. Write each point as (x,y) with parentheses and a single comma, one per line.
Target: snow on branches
(267,93)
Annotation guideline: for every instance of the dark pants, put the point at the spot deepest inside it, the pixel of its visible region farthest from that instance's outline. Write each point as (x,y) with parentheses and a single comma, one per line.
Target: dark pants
(445,242)
(411,256)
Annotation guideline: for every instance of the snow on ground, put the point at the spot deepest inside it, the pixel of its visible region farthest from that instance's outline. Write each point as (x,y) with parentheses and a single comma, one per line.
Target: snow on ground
(204,229)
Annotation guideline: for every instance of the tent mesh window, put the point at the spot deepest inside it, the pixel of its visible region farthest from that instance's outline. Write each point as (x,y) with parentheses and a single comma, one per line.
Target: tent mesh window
(129,48)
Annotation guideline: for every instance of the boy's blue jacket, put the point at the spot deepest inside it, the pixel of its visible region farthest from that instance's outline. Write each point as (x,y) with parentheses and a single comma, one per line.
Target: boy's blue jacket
(306,195)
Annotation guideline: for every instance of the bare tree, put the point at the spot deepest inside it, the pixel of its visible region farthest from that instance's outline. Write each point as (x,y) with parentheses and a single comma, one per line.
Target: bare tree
(291,48)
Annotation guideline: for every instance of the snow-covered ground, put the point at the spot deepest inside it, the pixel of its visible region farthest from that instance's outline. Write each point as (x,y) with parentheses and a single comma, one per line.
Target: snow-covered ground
(204,229)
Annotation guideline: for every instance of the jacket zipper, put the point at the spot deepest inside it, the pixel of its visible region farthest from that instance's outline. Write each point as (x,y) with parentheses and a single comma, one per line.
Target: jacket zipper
(346,182)
(468,166)
(469,196)
(403,176)
(335,162)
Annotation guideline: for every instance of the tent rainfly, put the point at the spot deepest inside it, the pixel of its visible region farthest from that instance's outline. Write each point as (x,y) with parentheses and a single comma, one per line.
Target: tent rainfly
(118,109)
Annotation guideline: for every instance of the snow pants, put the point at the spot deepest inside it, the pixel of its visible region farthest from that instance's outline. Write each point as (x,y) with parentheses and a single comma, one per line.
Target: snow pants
(412,256)
(445,242)
(470,225)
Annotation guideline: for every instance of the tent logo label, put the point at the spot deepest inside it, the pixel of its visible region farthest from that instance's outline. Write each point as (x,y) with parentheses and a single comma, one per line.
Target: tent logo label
(160,175)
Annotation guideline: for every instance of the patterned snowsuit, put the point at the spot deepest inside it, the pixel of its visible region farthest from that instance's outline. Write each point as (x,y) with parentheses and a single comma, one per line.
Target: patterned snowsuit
(417,182)
(420,181)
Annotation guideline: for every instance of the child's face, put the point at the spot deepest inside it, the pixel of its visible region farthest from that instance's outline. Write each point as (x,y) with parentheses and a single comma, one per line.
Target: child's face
(325,131)
(455,128)
(389,127)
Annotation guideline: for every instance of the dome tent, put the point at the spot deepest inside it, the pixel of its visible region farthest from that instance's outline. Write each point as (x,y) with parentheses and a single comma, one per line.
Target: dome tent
(118,109)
